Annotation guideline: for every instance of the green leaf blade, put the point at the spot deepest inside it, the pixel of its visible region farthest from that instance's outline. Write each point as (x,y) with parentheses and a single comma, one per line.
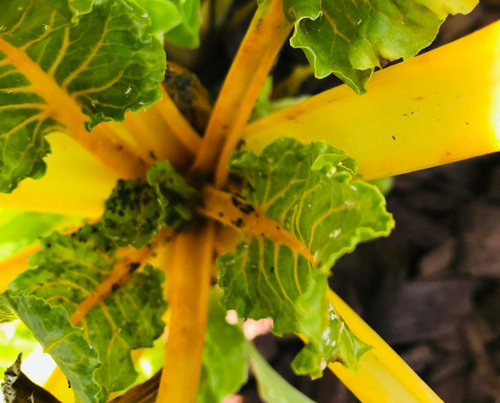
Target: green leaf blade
(64,55)
(62,275)
(272,387)
(133,214)
(346,38)
(19,229)
(136,210)
(65,343)
(313,193)
(175,196)
(224,367)
(177,21)
(186,34)
(338,343)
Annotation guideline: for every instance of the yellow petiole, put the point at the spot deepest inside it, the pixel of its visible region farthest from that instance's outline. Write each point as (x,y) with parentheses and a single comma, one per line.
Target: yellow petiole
(192,260)
(383,376)
(437,108)
(261,44)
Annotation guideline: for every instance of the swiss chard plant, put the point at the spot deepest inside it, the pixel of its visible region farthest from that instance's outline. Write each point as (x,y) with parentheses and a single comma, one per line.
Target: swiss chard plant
(183,226)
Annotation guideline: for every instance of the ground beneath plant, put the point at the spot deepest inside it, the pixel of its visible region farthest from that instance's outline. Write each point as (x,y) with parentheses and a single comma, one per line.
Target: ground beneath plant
(432,289)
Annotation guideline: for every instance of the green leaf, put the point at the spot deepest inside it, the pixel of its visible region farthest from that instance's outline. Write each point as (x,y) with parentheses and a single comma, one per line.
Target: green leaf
(133,215)
(178,21)
(94,354)
(312,192)
(6,313)
(19,229)
(347,37)
(175,196)
(340,345)
(164,15)
(272,387)
(224,368)
(57,59)
(136,210)
(186,33)
(385,185)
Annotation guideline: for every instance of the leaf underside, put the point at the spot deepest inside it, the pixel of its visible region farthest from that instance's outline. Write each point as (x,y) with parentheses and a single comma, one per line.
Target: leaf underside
(104,61)
(312,191)
(347,37)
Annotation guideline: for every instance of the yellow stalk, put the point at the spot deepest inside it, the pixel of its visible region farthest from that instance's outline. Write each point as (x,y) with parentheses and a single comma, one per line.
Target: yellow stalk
(440,107)
(62,107)
(189,288)
(161,133)
(57,384)
(262,42)
(177,123)
(122,132)
(383,376)
(75,183)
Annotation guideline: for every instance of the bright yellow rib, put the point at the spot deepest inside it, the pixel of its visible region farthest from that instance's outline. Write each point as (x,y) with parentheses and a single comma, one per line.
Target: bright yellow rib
(383,376)
(57,384)
(160,133)
(440,107)
(192,261)
(263,40)
(177,123)
(75,183)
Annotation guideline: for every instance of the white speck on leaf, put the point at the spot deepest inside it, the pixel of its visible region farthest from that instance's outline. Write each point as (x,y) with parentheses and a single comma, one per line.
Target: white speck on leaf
(331,172)
(335,233)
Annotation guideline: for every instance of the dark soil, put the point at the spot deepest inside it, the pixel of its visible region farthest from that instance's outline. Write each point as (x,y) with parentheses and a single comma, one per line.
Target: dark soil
(432,289)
